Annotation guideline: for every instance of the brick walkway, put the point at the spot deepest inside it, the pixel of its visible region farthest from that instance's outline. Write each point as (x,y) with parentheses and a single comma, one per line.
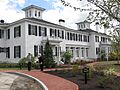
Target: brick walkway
(51,81)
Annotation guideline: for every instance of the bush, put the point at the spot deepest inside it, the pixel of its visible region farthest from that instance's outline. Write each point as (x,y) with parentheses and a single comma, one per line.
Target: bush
(8,65)
(67,56)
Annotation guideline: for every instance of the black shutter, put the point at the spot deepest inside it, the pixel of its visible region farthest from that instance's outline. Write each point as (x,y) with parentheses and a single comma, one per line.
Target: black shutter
(14,51)
(19,51)
(39,30)
(0,33)
(8,33)
(29,29)
(45,31)
(88,38)
(55,33)
(8,52)
(76,37)
(14,32)
(62,34)
(35,30)
(58,33)
(19,31)
(50,32)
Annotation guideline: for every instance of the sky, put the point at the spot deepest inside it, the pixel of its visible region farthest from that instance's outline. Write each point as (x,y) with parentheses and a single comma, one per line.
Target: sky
(11,10)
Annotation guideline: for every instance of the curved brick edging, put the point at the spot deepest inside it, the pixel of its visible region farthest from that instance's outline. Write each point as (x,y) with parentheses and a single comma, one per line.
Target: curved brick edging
(53,82)
(42,85)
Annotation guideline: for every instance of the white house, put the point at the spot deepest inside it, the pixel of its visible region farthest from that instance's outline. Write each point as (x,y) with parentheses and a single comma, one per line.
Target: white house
(29,35)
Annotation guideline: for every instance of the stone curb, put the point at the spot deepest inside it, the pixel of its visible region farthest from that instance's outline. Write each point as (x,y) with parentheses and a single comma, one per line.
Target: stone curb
(42,85)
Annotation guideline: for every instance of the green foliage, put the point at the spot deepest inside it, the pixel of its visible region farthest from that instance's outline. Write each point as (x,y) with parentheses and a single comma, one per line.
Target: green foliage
(24,61)
(67,56)
(48,56)
(102,54)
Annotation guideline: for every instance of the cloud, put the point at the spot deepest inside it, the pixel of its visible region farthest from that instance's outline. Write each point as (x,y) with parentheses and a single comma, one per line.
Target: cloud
(68,14)
(9,11)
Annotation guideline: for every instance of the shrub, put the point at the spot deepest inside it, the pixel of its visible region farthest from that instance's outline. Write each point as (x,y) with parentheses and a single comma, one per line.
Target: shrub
(67,56)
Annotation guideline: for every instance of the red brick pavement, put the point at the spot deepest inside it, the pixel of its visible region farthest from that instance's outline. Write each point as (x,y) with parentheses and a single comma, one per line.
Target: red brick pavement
(52,82)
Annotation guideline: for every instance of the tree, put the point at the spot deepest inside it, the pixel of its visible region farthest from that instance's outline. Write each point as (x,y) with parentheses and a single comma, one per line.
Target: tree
(48,56)
(107,13)
(67,56)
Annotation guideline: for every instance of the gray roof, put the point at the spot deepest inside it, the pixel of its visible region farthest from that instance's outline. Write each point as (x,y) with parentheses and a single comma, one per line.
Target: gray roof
(83,22)
(33,6)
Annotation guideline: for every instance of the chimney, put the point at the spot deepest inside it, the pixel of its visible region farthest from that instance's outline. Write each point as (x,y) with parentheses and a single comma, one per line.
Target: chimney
(61,22)
(97,26)
(1,21)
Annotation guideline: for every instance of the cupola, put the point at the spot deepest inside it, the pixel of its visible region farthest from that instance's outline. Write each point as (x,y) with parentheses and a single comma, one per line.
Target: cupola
(83,25)
(33,11)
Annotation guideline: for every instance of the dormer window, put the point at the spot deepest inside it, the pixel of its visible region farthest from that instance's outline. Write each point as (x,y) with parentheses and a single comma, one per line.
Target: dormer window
(35,13)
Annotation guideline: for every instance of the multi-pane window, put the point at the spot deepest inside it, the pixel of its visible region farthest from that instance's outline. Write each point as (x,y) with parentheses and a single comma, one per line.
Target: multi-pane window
(2,49)
(96,38)
(84,38)
(8,34)
(17,51)
(103,39)
(8,52)
(68,35)
(35,50)
(35,13)
(43,31)
(86,52)
(71,36)
(97,50)
(39,14)
(77,52)
(17,31)
(30,13)
(1,33)
(32,29)
(52,32)
(82,52)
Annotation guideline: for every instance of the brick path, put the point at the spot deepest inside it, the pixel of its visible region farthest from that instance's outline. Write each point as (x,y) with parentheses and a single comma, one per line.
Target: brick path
(51,81)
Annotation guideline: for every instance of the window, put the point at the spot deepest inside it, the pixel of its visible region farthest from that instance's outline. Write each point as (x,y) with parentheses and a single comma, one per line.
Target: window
(8,52)
(62,34)
(17,51)
(67,35)
(84,38)
(39,14)
(2,49)
(82,52)
(1,33)
(96,38)
(77,52)
(97,50)
(41,49)
(43,31)
(71,36)
(17,31)
(76,37)
(52,32)
(8,34)
(30,13)
(35,51)
(32,29)
(35,13)
(86,52)
(56,51)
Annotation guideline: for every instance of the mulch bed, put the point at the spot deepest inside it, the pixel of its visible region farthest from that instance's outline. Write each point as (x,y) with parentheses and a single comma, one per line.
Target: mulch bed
(92,83)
